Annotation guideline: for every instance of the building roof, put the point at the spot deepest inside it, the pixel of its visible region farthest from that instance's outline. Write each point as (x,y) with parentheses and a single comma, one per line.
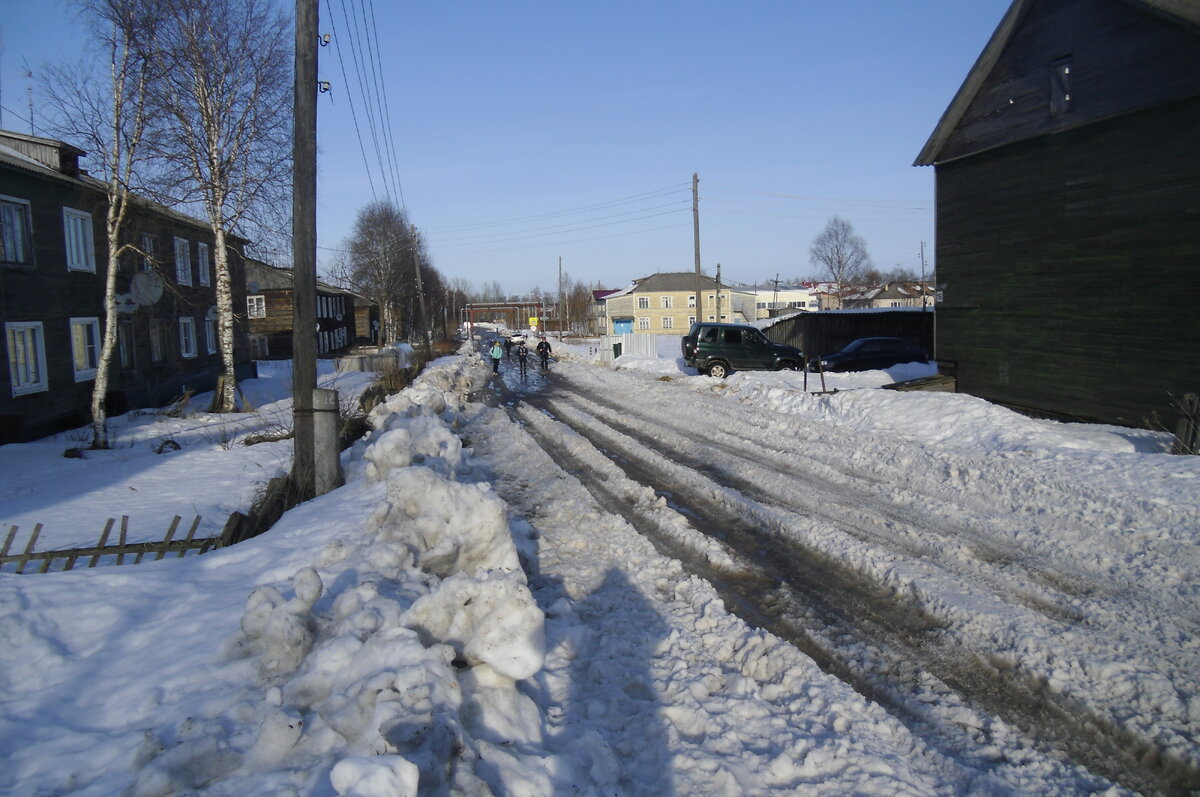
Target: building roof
(24,158)
(265,277)
(1184,11)
(673,281)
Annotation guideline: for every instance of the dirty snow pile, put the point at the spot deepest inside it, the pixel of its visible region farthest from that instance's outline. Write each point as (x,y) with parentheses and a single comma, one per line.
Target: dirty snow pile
(371,641)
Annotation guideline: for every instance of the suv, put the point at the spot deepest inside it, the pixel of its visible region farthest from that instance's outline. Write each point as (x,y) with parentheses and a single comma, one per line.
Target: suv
(718,349)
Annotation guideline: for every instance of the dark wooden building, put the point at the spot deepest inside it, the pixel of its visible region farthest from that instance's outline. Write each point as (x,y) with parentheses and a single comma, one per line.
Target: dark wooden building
(270,295)
(53,266)
(1068,211)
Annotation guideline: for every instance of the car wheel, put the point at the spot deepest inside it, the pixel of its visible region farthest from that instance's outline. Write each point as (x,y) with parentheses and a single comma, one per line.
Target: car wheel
(788,365)
(718,370)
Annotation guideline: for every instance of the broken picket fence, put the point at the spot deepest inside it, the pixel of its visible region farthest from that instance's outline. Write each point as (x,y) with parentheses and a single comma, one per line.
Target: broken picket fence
(121,551)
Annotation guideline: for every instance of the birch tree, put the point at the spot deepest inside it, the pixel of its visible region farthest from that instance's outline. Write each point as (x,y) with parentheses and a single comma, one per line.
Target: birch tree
(378,263)
(842,254)
(109,117)
(226,105)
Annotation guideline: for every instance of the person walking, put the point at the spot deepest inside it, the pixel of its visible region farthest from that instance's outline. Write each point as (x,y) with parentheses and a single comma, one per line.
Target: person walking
(497,352)
(507,348)
(543,350)
(522,355)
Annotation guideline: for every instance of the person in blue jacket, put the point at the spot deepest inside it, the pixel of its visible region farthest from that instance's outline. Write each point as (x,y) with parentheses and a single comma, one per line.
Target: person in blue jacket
(497,352)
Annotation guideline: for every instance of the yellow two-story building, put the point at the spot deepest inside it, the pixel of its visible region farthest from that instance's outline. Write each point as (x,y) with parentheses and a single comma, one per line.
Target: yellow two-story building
(665,304)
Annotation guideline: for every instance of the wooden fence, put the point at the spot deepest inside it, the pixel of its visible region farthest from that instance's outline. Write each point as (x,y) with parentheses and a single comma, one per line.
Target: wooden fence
(120,550)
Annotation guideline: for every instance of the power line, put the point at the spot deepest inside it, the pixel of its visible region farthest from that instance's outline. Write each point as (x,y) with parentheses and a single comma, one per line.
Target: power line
(686,224)
(350,96)
(389,139)
(657,193)
(588,223)
(352,37)
(820,199)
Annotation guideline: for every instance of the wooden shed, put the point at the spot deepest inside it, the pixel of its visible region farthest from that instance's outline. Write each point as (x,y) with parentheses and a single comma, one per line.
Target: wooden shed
(1068,211)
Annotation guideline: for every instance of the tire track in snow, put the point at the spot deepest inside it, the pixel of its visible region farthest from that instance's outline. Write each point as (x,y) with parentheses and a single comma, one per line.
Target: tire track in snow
(990,683)
(863,514)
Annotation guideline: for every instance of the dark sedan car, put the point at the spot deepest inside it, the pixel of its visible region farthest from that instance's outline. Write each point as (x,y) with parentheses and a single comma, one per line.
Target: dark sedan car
(866,354)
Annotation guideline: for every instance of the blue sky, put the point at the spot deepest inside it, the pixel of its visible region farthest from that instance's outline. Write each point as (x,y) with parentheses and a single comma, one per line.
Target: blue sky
(527,131)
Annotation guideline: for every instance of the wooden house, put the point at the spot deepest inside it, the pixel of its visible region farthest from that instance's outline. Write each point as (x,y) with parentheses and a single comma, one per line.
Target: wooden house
(270,297)
(53,267)
(366,322)
(1068,211)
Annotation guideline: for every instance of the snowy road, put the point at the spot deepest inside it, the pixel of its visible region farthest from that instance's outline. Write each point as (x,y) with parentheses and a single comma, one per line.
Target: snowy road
(963,593)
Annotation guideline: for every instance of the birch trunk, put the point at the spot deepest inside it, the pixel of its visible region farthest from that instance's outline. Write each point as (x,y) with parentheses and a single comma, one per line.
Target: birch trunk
(225,330)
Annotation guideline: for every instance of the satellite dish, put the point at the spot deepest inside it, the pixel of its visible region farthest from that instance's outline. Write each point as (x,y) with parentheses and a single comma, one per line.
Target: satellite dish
(146,287)
(211,315)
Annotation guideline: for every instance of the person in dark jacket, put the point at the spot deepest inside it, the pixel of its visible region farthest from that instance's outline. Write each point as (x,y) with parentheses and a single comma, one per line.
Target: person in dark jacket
(543,350)
(522,355)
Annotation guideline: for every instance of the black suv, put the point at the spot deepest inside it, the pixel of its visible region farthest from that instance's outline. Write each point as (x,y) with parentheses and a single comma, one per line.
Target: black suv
(718,349)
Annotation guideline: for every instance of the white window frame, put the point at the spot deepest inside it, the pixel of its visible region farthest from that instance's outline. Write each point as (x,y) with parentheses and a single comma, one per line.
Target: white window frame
(643,322)
(691,320)
(187,337)
(85,354)
(259,347)
(183,261)
(256,306)
(666,302)
(77,238)
(26,344)
(203,267)
(17,232)
(668,322)
(643,302)
(691,301)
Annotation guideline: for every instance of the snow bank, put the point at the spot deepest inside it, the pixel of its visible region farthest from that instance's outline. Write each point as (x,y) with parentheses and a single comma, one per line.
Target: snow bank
(384,630)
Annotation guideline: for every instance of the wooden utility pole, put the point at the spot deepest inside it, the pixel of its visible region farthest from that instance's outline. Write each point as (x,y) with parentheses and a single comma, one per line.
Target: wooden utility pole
(696,237)
(304,248)
(426,332)
(560,300)
(718,293)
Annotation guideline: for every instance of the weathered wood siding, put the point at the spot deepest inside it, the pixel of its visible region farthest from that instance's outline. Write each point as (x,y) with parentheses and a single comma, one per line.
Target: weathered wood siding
(49,293)
(1122,56)
(1070,265)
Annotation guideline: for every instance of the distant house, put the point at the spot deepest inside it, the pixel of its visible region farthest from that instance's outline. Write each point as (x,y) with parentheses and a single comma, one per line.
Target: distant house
(1068,211)
(776,301)
(891,296)
(270,300)
(666,304)
(53,267)
(597,318)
